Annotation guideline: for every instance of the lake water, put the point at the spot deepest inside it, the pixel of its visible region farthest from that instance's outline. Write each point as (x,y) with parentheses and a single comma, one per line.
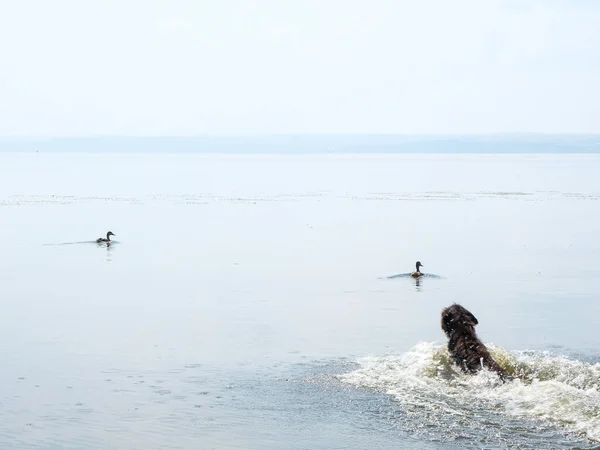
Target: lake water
(254,302)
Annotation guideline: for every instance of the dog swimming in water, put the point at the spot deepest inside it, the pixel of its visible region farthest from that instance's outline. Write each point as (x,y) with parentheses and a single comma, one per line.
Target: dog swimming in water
(465,348)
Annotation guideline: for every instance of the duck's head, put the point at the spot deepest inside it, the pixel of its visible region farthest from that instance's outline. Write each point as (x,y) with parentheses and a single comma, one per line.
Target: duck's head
(109,234)
(419,265)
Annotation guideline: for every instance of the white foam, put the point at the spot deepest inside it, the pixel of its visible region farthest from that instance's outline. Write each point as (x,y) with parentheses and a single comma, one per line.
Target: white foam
(550,390)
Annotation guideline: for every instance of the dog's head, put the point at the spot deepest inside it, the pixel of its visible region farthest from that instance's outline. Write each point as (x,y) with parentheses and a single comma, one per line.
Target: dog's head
(456,317)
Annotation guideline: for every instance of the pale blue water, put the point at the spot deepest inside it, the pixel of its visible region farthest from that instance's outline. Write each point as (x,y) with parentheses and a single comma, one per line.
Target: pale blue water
(246,303)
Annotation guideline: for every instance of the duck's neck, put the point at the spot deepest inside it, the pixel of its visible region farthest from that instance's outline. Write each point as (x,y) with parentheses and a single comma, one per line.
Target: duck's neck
(418,271)
(107,237)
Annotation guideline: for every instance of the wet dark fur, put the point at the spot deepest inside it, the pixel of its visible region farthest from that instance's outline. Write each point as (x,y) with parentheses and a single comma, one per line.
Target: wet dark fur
(465,348)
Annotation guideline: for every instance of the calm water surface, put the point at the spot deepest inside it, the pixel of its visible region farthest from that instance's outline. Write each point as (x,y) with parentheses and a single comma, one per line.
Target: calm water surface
(258,302)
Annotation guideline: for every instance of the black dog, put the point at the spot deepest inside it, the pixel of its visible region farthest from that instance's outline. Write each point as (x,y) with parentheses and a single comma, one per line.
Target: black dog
(467,351)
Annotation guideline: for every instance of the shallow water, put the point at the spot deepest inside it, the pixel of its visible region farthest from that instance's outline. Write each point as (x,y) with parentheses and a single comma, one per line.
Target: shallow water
(253,302)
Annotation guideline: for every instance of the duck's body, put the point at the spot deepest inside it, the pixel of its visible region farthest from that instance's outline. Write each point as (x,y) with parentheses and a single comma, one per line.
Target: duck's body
(418,273)
(108,235)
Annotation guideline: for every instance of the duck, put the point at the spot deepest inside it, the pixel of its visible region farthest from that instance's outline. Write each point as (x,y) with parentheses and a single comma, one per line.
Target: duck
(418,273)
(108,235)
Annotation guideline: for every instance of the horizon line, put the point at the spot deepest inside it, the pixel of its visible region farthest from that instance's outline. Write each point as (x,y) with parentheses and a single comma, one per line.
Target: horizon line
(272,135)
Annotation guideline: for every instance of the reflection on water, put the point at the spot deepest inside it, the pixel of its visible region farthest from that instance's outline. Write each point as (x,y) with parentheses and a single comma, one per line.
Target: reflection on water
(109,246)
(109,250)
(417,280)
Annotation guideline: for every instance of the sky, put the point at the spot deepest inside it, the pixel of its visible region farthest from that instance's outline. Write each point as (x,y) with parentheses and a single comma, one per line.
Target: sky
(255,67)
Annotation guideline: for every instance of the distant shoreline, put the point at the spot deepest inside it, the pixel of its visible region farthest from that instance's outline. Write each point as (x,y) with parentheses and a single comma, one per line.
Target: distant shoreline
(510,143)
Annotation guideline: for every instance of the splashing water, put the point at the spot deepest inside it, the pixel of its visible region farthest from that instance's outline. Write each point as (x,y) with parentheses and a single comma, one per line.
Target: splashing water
(552,394)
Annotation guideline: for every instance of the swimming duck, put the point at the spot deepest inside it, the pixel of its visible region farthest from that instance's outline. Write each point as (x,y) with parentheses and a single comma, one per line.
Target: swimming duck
(418,273)
(108,235)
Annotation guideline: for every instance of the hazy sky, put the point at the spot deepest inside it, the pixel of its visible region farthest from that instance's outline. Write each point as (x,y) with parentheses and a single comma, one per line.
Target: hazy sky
(184,67)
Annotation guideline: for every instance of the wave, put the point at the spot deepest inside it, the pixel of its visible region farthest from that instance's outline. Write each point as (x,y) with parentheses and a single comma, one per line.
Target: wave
(82,242)
(551,392)
(408,275)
